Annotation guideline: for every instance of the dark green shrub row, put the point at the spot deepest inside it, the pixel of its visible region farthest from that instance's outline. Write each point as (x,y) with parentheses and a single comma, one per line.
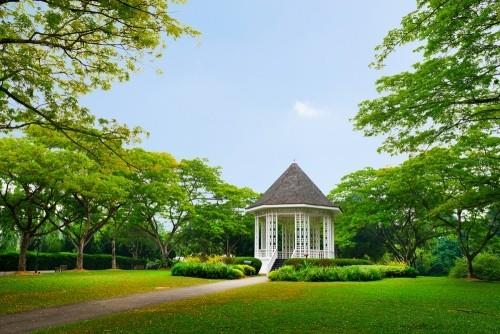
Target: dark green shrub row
(207,270)
(485,267)
(326,262)
(48,261)
(256,263)
(327,274)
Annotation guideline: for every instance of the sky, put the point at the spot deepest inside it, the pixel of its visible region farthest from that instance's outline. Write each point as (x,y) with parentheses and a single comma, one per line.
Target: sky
(268,82)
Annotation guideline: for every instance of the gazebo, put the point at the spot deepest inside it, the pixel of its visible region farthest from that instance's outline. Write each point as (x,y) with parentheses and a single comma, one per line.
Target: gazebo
(293,219)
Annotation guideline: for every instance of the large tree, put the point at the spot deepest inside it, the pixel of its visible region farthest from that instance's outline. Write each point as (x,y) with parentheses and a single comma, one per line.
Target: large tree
(221,225)
(388,200)
(463,184)
(155,186)
(32,182)
(53,51)
(456,86)
(93,198)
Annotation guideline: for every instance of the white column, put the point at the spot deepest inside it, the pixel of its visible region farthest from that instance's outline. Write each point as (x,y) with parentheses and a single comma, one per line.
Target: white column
(256,237)
(327,236)
(271,233)
(333,237)
(307,234)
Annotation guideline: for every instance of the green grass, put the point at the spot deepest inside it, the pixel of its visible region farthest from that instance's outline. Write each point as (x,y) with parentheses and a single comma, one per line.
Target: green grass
(399,305)
(21,293)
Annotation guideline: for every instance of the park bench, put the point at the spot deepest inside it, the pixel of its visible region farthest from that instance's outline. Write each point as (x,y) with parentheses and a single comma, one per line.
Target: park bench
(61,268)
(139,267)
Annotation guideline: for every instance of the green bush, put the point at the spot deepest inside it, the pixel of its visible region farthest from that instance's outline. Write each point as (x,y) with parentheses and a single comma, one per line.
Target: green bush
(326,274)
(397,271)
(254,262)
(327,262)
(485,267)
(48,261)
(207,270)
(246,269)
(285,273)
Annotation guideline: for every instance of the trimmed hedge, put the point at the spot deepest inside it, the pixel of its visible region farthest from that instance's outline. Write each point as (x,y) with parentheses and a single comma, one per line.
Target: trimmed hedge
(397,271)
(326,262)
(252,261)
(48,261)
(339,273)
(327,274)
(206,270)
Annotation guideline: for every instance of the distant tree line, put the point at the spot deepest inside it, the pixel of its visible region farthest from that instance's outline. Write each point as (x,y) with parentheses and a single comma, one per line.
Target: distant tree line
(144,203)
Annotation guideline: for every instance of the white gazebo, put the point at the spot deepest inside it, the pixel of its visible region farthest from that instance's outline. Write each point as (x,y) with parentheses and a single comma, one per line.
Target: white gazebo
(293,219)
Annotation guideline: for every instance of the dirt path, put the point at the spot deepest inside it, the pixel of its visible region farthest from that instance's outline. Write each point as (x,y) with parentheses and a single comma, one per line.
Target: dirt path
(30,320)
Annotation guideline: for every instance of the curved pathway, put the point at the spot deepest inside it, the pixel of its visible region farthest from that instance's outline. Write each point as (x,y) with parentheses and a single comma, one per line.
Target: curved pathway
(30,320)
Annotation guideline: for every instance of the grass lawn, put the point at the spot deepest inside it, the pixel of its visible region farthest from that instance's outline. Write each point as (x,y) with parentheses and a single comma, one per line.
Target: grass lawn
(21,293)
(422,305)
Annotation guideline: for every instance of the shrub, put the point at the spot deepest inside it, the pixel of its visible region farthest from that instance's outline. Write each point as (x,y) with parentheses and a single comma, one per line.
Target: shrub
(285,273)
(394,271)
(337,273)
(252,261)
(485,267)
(206,270)
(246,269)
(48,261)
(154,264)
(327,262)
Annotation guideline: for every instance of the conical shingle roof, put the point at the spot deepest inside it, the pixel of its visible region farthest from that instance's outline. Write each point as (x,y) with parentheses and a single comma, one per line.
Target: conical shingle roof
(293,187)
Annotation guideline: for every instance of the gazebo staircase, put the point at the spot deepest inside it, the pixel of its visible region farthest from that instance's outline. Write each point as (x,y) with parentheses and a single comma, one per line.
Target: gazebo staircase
(277,264)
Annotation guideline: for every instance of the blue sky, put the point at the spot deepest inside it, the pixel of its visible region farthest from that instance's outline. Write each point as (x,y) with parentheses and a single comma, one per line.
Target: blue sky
(267,83)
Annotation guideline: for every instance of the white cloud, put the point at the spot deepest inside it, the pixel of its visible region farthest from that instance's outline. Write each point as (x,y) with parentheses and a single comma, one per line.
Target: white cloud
(306,110)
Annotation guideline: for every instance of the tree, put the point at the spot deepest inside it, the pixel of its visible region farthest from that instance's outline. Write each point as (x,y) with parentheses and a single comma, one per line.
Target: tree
(465,196)
(453,90)
(54,51)
(32,179)
(93,198)
(219,226)
(155,185)
(389,200)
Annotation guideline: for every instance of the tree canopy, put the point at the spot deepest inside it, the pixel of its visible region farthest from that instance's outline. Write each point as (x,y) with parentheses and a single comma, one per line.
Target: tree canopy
(54,51)
(453,90)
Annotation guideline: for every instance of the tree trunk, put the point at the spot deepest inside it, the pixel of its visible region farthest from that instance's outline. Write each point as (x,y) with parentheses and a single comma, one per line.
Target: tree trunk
(23,251)
(79,255)
(113,253)
(470,270)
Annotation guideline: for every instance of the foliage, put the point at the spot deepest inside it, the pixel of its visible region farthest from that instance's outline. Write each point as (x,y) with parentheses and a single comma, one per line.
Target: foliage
(327,274)
(154,264)
(212,259)
(252,261)
(388,201)
(339,262)
(32,189)
(463,184)
(207,270)
(48,261)
(53,52)
(439,258)
(486,267)
(387,306)
(221,226)
(246,269)
(27,292)
(397,271)
(453,90)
